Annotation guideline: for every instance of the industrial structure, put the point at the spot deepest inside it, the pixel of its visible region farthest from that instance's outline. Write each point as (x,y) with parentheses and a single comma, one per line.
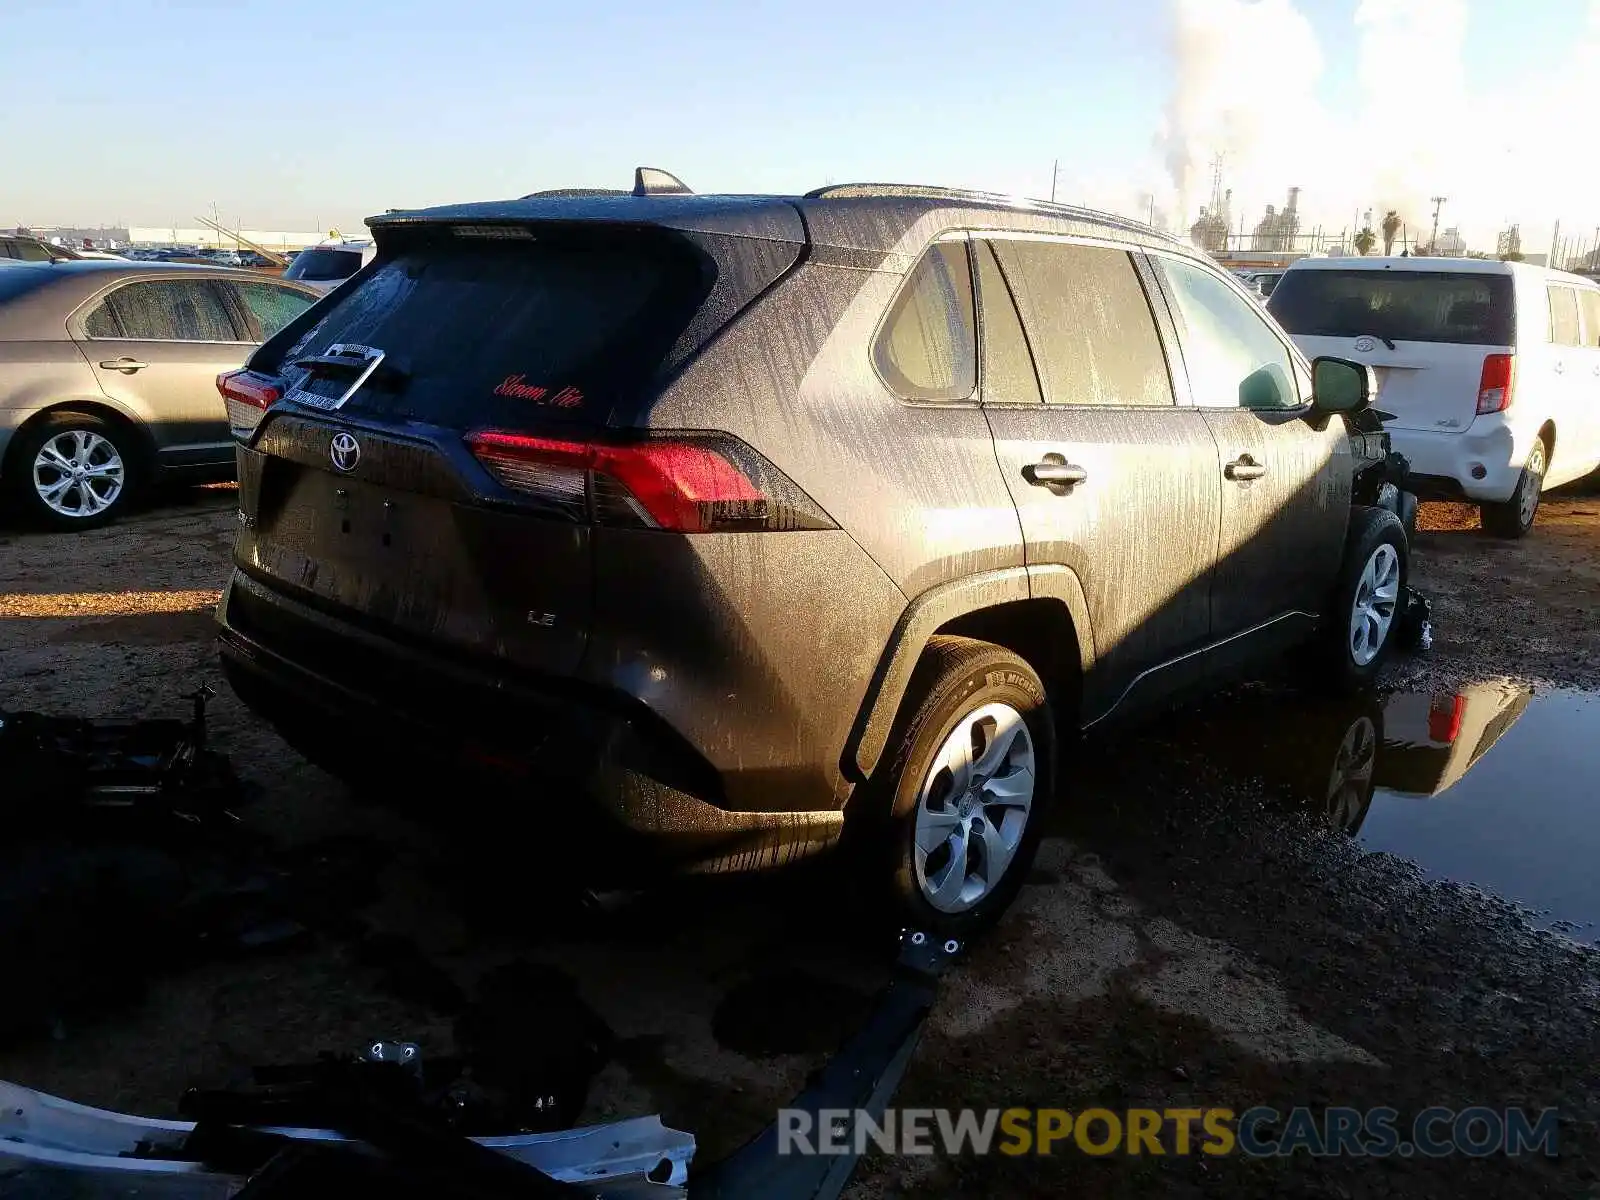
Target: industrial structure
(1276,232)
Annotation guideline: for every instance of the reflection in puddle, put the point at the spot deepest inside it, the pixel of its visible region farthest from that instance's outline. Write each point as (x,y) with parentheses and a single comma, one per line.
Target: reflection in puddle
(1494,784)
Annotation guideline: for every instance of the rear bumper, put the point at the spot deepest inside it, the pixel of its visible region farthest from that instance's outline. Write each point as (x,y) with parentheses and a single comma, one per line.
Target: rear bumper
(371,709)
(1481,464)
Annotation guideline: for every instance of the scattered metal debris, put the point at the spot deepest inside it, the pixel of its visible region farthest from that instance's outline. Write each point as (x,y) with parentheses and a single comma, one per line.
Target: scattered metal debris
(379,1124)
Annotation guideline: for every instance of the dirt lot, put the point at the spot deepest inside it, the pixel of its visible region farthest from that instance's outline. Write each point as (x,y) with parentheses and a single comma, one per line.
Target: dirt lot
(1187,938)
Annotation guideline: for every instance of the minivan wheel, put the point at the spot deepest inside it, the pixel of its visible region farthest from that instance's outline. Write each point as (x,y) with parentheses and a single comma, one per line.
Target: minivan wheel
(72,470)
(1514,517)
(972,767)
(1366,608)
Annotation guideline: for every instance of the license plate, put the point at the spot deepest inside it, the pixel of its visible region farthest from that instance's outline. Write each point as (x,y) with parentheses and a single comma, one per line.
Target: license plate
(313,400)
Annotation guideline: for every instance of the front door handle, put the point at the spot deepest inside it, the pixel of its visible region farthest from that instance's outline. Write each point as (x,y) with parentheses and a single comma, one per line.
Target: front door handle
(1055,473)
(124,364)
(1561,368)
(1244,469)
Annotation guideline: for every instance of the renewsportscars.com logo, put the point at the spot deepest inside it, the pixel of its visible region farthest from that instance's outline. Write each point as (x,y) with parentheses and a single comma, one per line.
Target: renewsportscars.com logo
(1260,1132)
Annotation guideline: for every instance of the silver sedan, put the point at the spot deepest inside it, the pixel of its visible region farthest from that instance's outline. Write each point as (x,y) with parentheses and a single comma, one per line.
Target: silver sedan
(108,378)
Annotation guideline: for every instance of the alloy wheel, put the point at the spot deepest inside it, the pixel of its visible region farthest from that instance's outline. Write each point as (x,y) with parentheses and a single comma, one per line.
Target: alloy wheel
(1377,596)
(77,473)
(973,809)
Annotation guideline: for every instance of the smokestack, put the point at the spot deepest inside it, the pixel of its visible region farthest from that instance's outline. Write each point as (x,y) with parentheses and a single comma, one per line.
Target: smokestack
(1294,200)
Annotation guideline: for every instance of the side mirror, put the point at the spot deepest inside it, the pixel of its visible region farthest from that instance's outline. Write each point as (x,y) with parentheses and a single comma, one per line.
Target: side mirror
(1341,386)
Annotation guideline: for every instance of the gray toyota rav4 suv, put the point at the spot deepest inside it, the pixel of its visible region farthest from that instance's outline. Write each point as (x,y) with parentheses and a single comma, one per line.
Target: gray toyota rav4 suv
(727,525)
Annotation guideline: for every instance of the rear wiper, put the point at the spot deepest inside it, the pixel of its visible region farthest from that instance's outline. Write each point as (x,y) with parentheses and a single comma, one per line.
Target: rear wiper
(346,356)
(1387,342)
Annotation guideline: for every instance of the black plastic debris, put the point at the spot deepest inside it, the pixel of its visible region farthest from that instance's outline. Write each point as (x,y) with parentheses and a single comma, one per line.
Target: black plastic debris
(115,773)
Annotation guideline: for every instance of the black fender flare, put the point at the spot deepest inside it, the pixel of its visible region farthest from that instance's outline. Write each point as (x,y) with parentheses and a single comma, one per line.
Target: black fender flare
(924,616)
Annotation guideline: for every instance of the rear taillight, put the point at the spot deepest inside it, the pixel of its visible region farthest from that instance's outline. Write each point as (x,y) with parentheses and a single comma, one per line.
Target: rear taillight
(1444,719)
(248,397)
(690,484)
(1494,384)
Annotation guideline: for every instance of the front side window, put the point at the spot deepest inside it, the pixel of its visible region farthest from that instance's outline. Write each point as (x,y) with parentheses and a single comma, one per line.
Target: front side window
(927,348)
(1235,360)
(188,310)
(1564,317)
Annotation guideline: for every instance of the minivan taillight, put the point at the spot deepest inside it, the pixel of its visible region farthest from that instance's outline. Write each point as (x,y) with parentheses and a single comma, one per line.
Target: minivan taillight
(1444,719)
(699,483)
(248,397)
(1494,384)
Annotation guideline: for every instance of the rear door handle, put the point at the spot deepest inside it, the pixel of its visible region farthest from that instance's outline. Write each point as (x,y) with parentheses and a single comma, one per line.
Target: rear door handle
(1244,468)
(1055,473)
(124,364)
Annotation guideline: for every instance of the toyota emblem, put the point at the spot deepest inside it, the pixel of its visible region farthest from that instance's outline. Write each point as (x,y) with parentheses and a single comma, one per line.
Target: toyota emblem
(1364,343)
(345,451)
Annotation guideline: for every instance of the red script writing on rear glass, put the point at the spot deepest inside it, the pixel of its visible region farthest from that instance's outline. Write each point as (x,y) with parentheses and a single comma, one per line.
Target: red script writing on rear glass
(517,387)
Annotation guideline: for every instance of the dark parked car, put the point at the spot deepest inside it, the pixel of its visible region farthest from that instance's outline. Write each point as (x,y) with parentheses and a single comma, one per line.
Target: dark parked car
(108,377)
(23,247)
(725,522)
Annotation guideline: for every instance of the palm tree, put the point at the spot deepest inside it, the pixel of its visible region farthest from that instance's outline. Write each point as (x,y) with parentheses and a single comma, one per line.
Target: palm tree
(1365,241)
(1391,228)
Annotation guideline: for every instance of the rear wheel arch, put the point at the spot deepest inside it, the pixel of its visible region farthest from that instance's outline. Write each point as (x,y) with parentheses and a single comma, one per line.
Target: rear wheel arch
(141,443)
(1038,613)
(1547,435)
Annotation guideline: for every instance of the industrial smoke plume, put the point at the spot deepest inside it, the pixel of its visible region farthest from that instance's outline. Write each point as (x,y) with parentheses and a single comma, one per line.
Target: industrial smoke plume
(1246,87)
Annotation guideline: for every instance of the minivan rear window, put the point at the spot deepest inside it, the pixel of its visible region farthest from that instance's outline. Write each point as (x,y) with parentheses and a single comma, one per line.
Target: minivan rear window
(319,264)
(1456,307)
(479,332)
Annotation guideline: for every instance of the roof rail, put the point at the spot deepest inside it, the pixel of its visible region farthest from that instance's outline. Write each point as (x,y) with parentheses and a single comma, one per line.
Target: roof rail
(842,191)
(569,193)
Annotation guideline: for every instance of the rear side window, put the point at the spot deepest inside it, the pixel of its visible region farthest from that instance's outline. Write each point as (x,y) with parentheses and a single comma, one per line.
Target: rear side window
(1089,323)
(1589,304)
(481,332)
(927,348)
(188,310)
(1564,329)
(271,307)
(1453,307)
(321,264)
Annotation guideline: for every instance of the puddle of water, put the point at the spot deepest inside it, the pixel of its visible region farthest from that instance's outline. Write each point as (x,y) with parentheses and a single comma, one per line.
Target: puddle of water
(1495,785)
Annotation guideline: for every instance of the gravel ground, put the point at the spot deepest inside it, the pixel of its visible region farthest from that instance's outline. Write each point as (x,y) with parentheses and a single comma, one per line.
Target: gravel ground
(1189,936)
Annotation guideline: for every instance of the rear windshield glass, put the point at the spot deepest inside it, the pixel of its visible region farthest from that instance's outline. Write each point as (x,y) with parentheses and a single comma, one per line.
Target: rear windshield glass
(320,265)
(496,332)
(1403,306)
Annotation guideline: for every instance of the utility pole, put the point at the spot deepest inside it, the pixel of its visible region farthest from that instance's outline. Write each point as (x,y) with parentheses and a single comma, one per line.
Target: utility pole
(1555,247)
(1055,173)
(1438,203)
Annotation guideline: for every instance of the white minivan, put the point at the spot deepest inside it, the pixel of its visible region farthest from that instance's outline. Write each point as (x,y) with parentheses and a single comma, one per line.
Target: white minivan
(1491,370)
